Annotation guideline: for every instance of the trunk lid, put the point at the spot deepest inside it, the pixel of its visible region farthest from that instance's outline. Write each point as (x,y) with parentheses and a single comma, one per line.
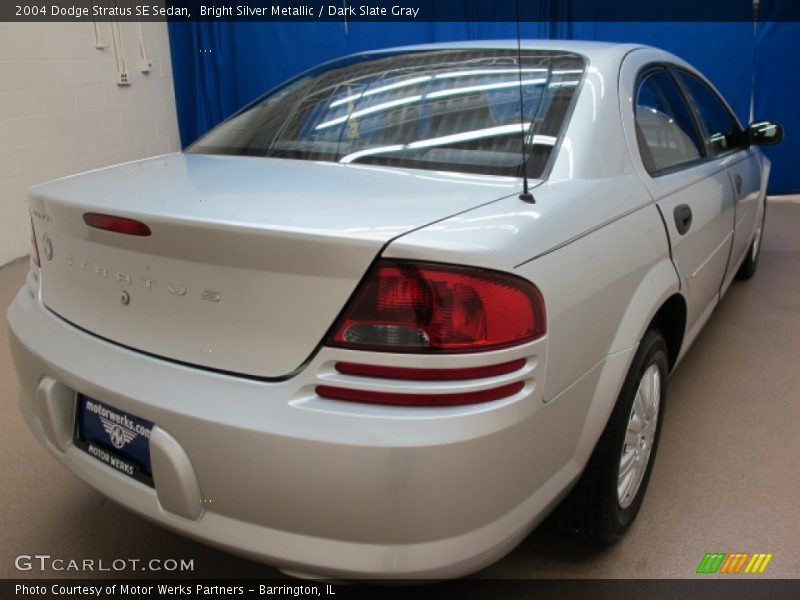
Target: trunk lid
(250,260)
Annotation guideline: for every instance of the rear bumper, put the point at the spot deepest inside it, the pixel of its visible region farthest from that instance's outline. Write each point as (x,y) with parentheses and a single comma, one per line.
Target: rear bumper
(272,472)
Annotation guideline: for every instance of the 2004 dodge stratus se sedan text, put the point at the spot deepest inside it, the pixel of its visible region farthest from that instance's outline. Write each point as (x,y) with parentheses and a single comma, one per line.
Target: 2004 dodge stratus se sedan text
(339,316)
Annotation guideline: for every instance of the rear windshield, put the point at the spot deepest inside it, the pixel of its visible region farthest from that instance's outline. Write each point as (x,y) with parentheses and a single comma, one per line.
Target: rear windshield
(447,110)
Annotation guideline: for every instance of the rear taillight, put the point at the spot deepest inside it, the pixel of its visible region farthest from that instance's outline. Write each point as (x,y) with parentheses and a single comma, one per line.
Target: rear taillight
(422,396)
(419,399)
(435,308)
(116,224)
(35,247)
(424,374)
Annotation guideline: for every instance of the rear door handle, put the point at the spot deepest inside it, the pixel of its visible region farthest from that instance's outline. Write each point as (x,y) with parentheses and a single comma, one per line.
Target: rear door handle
(683,218)
(738,183)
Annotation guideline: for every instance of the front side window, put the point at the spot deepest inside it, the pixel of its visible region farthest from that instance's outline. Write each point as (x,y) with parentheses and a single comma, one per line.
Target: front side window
(722,130)
(452,110)
(665,130)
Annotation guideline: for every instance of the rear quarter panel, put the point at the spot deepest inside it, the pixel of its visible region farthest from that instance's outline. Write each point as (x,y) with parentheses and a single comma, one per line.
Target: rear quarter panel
(593,242)
(597,250)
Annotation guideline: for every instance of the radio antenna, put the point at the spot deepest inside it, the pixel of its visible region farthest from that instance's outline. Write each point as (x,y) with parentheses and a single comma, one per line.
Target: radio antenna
(526,195)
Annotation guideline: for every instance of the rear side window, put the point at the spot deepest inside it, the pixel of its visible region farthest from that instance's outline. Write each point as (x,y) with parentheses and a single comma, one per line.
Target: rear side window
(450,110)
(665,130)
(722,130)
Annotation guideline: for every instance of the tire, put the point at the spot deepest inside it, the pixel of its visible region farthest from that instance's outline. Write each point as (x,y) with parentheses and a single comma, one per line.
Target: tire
(750,264)
(600,507)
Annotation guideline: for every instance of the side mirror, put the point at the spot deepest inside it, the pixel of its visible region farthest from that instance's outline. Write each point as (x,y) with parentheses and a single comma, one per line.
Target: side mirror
(764,133)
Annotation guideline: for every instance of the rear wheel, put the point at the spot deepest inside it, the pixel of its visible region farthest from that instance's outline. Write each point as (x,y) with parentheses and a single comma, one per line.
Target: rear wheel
(750,264)
(608,495)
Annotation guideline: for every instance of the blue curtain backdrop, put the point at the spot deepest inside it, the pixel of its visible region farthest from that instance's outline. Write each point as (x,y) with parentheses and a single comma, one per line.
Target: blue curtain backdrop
(218,67)
(776,88)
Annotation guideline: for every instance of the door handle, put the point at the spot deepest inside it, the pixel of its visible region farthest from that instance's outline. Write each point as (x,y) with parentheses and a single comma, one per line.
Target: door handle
(683,218)
(738,183)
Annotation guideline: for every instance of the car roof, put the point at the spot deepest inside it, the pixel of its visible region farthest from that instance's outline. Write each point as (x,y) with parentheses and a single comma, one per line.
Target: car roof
(590,49)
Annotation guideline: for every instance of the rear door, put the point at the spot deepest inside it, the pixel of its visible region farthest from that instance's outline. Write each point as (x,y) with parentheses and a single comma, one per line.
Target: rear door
(690,186)
(722,132)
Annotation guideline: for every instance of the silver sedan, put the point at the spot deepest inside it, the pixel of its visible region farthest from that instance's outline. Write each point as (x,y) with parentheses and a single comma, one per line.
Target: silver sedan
(382,321)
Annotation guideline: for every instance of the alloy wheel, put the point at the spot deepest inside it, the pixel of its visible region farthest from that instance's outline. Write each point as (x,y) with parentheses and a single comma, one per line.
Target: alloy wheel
(639,436)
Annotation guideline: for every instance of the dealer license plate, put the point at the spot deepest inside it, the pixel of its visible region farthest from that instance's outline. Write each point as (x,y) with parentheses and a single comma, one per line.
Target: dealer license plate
(117,438)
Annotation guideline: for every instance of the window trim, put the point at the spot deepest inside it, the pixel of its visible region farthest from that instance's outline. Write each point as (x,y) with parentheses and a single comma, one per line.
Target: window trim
(704,157)
(707,155)
(676,71)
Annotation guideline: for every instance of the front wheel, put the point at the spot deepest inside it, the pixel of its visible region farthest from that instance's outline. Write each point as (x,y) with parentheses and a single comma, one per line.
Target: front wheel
(609,493)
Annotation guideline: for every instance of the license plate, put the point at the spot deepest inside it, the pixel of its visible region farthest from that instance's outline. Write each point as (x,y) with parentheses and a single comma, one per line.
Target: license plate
(119,439)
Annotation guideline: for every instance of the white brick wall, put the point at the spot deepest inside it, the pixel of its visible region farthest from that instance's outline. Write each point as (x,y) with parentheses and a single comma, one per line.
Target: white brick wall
(61,111)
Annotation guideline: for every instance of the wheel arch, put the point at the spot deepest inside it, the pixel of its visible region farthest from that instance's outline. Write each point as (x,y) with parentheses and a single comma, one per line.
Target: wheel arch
(657,302)
(670,321)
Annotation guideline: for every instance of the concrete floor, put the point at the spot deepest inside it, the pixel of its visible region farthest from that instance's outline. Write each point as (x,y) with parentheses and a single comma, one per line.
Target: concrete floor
(726,478)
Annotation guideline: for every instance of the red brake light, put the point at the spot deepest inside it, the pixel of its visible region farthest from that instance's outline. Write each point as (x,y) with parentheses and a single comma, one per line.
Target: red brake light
(116,224)
(435,308)
(35,250)
(419,399)
(423,374)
